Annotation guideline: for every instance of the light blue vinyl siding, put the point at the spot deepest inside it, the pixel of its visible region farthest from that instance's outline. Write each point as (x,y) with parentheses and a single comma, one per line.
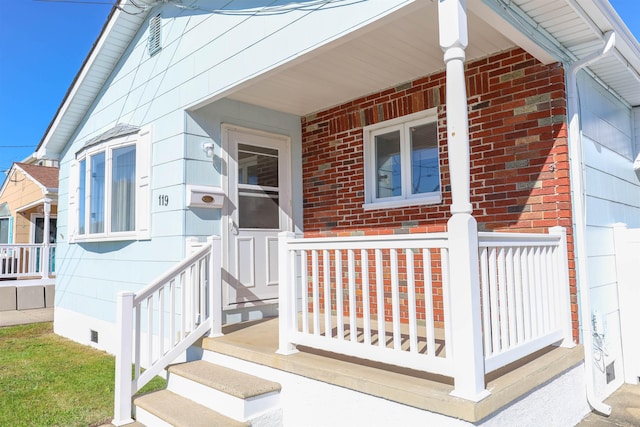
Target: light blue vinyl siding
(203,56)
(612,196)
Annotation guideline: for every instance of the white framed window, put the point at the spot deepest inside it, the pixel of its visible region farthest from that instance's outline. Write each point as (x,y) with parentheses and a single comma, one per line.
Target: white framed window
(401,162)
(109,197)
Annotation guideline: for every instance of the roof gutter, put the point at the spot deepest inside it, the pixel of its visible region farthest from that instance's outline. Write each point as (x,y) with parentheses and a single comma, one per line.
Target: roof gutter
(580,214)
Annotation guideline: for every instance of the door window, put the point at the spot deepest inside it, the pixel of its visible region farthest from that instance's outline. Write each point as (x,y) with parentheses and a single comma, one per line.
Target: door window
(258,187)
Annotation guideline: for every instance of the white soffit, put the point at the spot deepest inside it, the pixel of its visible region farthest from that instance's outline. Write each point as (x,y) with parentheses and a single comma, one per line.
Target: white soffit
(576,28)
(396,49)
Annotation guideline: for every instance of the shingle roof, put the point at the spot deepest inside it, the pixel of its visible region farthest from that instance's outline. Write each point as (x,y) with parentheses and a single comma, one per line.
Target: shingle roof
(45,175)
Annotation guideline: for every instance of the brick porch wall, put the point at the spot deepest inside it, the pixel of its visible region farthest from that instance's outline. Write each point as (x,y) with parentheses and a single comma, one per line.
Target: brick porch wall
(519,154)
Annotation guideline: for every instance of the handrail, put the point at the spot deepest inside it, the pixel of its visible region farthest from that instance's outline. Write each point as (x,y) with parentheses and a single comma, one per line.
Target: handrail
(176,310)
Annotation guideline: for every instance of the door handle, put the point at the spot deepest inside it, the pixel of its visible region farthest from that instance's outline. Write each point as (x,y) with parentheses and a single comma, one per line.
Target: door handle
(234,228)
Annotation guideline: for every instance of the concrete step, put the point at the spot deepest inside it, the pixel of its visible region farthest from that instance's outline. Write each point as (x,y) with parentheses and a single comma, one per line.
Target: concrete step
(167,409)
(226,392)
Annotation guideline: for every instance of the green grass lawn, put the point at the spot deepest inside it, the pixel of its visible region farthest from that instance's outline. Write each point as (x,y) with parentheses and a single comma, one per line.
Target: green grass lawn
(47,380)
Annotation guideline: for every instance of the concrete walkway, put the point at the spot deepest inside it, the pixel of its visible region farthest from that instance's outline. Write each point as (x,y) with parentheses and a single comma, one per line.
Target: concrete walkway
(22,317)
(625,409)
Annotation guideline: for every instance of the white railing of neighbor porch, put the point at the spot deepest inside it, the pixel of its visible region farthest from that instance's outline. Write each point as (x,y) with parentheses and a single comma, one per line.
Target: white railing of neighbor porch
(524,283)
(26,260)
(407,321)
(161,321)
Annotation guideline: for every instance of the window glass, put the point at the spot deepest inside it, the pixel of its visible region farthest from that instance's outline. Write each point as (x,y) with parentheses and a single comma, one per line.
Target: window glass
(82,197)
(96,190)
(259,210)
(257,166)
(39,232)
(388,165)
(123,189)
(425,173)
(4,230)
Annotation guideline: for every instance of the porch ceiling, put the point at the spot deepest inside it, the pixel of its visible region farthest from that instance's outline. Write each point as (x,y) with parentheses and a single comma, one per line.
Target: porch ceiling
(404,46)
(394,50)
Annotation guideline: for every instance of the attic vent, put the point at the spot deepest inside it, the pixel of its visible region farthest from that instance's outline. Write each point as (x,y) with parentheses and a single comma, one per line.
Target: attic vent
(155,27)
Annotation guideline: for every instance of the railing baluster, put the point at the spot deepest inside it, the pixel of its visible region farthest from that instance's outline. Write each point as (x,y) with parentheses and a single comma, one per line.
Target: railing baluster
(551,297)
(446,302)
(326,266)
(366,309)
(150,330)
(305,291)
(161,319)
(411,291)
(502,300)
(351,269)
(428,302)
(395,300)
(137,340)
(172,312)
(526,293)
(202,290)
(517,279)
(539,297)
(486,304)
(339,296)
(511,296)
(382,330)
(315,293)
(183,304)
(493,295)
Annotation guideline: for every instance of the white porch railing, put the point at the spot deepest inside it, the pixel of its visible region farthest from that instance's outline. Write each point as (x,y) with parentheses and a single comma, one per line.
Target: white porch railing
(524,280)
(161,321)
(403,279)
(387,298)
(27,260)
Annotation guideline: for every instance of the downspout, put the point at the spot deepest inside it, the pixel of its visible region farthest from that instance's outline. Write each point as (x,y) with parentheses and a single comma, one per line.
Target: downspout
(577,183)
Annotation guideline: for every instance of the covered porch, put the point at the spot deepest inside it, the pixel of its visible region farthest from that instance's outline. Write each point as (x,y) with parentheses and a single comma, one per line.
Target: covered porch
(402,345)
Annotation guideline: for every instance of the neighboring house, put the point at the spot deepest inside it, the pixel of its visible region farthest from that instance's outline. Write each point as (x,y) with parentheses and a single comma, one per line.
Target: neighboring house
(28,213)
(303,158)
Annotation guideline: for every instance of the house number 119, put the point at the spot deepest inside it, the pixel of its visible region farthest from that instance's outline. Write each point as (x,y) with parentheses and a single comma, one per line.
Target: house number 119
(163,200)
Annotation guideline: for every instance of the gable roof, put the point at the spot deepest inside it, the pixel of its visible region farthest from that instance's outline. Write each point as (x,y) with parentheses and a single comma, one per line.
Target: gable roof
(551,30)
(45,176)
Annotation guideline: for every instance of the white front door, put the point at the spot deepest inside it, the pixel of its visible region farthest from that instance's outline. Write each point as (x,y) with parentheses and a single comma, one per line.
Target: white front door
(259,207)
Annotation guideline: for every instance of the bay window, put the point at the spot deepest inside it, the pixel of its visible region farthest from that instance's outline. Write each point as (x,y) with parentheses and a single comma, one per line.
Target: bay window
(402,165)
(109,192)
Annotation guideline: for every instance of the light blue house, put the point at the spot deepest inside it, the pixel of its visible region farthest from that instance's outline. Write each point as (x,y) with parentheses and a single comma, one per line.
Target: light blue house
(323,162)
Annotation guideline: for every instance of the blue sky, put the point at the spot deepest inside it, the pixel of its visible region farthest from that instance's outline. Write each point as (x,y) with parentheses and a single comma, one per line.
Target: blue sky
(42,46)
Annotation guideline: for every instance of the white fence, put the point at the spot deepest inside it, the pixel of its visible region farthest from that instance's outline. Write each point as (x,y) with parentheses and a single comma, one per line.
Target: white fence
(26,260)
(387,298)
(161,321)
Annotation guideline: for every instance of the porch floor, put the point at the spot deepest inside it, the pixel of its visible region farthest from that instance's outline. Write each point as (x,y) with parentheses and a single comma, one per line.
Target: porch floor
(257,342)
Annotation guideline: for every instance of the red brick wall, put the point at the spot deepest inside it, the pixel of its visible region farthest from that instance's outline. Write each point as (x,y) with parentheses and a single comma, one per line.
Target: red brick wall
(519,154)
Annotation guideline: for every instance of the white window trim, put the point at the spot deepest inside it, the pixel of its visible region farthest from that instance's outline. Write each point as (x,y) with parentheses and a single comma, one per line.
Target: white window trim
(142,142)
(406,199)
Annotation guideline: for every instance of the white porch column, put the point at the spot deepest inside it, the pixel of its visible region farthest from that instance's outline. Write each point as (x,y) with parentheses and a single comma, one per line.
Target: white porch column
(466,318)
(46,244)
